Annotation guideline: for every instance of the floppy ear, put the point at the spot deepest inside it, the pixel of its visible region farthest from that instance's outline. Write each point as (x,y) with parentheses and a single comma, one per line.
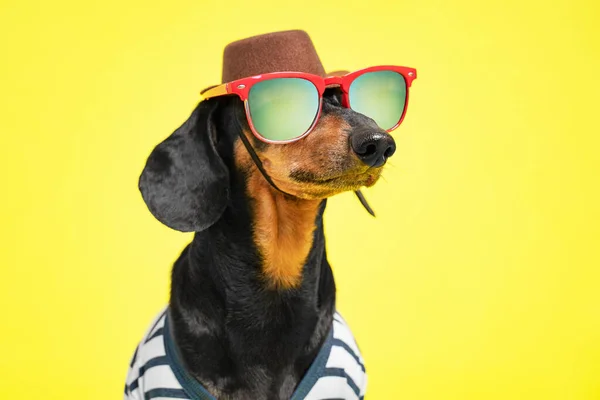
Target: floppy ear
(185,183)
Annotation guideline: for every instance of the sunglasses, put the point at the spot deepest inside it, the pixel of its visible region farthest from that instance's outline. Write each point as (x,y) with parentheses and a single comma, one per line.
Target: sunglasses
(283,107)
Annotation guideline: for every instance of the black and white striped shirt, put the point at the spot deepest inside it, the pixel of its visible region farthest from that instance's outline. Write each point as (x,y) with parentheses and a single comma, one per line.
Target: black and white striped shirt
(155,371)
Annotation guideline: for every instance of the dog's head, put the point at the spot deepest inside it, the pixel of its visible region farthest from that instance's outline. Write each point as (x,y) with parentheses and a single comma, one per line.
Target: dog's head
(186,181)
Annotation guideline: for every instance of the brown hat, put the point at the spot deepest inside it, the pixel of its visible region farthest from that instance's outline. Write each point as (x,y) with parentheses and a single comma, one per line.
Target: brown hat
(271,52)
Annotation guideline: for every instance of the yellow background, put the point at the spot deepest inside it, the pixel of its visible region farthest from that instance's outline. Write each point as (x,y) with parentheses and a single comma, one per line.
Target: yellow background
(478,280)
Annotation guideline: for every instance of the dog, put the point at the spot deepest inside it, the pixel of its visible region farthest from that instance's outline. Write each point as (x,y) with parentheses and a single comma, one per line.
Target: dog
(252,305)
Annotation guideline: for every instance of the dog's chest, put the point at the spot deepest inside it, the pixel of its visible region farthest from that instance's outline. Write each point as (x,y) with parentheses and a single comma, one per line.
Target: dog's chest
(156,370)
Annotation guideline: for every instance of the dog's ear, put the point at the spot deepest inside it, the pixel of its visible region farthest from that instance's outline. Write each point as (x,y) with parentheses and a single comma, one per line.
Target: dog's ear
(185,183)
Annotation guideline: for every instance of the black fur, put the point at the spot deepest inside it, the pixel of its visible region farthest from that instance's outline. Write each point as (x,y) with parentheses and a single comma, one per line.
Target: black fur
(239,338)
(185,182)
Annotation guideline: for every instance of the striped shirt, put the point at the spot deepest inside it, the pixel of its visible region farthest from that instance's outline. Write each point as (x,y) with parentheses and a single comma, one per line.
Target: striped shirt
(156,370)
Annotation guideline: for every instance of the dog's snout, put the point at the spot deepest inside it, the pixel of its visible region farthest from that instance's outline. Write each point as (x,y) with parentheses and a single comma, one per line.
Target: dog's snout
(373,147)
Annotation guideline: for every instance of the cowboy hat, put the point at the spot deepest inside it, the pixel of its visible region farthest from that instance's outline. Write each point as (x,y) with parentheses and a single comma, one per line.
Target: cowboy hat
(291,50)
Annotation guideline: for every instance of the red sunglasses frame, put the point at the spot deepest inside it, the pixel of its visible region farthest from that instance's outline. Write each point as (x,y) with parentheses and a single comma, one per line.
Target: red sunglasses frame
(241,88)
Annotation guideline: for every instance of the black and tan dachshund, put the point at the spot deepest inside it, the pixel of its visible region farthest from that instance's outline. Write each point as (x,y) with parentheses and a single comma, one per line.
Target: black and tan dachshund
(253,295)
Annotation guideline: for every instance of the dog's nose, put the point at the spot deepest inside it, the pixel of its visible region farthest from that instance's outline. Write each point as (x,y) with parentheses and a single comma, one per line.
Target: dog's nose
(373,147)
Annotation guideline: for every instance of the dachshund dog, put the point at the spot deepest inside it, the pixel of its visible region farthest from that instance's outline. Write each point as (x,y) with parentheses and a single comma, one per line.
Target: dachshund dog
(253,296)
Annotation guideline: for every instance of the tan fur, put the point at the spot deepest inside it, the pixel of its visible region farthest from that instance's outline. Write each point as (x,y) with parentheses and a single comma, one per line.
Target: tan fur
(283,226)
(326,150)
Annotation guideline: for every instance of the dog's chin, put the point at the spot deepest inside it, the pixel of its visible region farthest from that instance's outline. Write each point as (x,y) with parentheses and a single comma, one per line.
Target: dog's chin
(325,187)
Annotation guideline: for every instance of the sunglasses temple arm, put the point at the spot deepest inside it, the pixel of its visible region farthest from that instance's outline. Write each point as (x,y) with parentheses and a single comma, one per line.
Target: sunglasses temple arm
(363,201)
(214,91)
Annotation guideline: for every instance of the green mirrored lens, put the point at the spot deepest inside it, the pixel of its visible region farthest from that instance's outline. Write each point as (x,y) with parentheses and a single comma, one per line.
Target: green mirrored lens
(379,95)
(283,108)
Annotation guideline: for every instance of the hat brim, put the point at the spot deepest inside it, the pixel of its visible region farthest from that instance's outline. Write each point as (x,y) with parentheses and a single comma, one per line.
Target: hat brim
(341,72)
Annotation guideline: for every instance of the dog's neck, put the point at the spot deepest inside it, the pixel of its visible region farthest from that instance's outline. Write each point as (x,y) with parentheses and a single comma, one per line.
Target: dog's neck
(255,288)
(283,232)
